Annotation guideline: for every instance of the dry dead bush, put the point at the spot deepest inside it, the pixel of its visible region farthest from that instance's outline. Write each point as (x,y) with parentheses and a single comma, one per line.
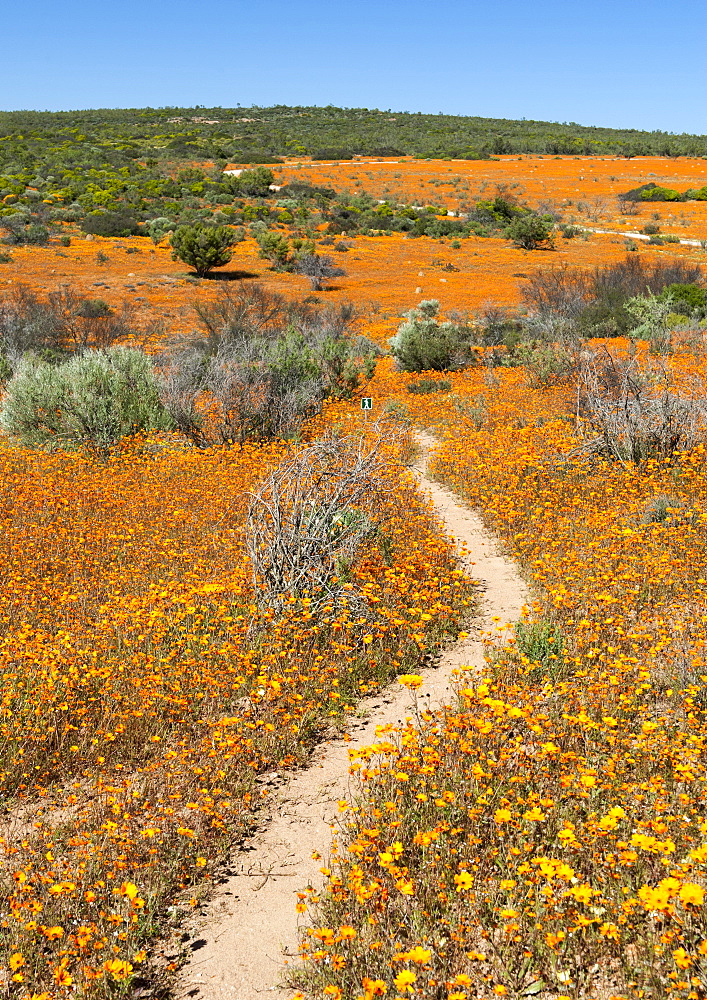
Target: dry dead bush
(65,322)
(634,411)
(313,513)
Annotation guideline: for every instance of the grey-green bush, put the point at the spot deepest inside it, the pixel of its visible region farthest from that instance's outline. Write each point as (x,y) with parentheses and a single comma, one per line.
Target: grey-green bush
(94,399)
(423,344)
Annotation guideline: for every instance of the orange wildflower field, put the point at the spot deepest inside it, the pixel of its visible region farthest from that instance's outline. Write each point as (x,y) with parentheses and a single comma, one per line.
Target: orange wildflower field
(546,834)
(392,272)
(585,188)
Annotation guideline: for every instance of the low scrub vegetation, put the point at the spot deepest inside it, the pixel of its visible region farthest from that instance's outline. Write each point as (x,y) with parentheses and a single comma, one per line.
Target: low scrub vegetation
(261,366)
(567,302)
(94,399)
(423,343)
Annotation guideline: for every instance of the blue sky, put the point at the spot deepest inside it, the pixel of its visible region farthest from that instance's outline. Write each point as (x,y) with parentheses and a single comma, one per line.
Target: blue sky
(623,63)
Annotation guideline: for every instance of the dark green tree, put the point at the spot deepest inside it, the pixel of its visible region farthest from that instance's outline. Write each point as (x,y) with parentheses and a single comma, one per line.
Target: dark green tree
(530,231)
(202,247)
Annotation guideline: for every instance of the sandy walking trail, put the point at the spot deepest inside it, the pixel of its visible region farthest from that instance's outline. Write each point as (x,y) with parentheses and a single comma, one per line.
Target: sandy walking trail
(250,925)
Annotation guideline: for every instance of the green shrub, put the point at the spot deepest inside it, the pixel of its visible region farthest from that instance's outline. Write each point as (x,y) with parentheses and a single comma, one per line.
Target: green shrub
(652,192)
(25,230)
(93,399)
(686,299)
(547,364)
(423,344)
(530,231)
(569,231)
(202,247)
(274,247)
(93,308)
(251,183)
(158,228)
(540,642)
(651,321)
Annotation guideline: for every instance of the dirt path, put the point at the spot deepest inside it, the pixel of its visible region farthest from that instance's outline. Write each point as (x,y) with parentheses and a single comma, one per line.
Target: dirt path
(251,923)
(639,236)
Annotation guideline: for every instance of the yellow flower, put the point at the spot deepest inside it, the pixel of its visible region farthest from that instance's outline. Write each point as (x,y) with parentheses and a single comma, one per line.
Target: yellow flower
(582,893)
(535,815)
(682,959)
(16,961)
(410,681)
(404,981)
(374,987)
(463,881)
(419,955)
(658,898)
(691,894)
(118,969)
(62,977)
(502,815)
(128,889)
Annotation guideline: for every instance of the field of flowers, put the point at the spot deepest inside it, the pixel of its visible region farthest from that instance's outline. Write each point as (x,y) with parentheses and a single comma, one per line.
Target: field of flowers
(145,688)
(585,187)
(547,834)
(392,270)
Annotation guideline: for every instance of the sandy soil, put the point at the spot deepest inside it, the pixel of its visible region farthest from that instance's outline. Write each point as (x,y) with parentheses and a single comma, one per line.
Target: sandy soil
(249,930)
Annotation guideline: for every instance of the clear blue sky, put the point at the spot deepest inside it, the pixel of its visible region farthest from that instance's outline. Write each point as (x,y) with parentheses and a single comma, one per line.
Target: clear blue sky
(623,63)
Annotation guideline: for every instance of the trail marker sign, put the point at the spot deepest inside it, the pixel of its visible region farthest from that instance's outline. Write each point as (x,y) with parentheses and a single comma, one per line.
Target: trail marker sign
(366,402)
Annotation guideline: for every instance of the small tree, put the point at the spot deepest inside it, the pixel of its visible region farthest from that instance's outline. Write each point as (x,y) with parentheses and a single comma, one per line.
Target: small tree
(274,247)
(253,183)
(530,231)
(202,247)
(317,269)
(94,399)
